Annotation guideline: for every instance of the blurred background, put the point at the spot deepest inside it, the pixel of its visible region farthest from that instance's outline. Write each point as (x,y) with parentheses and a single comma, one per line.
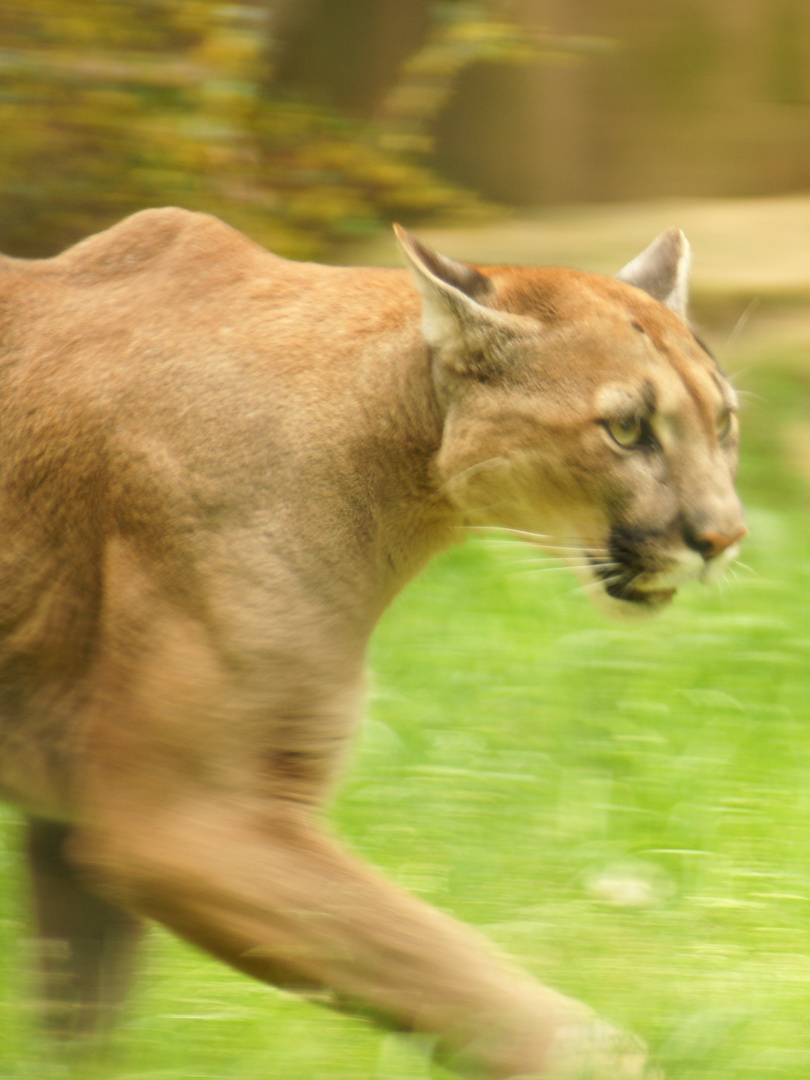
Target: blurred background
(311,122)
(625,811)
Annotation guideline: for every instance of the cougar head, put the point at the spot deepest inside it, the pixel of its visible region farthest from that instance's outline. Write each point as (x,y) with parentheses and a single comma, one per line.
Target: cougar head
(583,412)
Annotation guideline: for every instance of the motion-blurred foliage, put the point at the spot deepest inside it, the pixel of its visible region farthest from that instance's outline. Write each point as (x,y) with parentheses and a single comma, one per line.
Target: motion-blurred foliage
(109,106)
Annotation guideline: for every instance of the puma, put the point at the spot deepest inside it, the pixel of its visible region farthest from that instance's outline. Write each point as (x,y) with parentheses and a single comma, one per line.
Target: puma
(217,468)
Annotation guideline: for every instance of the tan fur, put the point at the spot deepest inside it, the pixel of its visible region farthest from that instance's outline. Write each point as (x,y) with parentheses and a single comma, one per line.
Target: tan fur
(217,468)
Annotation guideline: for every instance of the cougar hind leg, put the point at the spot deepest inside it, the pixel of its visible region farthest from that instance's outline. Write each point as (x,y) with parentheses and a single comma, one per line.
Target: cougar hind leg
(85,946)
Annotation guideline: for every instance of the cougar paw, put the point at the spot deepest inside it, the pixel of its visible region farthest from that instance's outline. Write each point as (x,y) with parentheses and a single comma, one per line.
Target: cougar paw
(597,1050)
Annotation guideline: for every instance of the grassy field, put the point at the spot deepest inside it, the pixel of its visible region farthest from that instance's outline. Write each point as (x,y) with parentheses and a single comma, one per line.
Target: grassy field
(624,809)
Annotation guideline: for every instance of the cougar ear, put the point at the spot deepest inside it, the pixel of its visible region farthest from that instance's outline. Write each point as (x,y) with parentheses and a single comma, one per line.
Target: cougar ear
(662,270)
(452,294)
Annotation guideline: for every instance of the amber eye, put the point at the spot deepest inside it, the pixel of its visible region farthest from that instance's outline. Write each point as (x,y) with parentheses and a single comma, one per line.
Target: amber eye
(628,432)
(723,423)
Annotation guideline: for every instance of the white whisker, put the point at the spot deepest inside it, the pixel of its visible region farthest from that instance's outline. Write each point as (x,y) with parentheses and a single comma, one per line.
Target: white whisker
(530,562)
(471,470)
(552,569)
(568,565)
(750,395)
(537,540)
(740,324)
(520,545)
(555,550)
(521,533)
(526,534)
(599,583)
(576,559)
(744,566)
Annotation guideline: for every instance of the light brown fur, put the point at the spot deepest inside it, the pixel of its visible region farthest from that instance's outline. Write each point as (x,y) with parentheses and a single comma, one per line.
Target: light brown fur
(217,468)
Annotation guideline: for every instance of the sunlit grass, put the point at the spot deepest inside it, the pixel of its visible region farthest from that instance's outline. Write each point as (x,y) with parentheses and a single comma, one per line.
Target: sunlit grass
(626,809)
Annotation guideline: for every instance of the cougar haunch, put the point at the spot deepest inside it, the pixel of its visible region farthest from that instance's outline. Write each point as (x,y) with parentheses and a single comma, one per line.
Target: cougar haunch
(217,468)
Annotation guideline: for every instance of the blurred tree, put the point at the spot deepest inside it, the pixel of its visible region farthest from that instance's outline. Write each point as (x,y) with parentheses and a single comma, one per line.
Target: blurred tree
(345,53)
(305,122)
(698,98)
(108,106)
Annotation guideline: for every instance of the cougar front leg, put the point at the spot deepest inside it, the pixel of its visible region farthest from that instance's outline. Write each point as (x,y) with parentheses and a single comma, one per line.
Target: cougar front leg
(84,945)
(262,888)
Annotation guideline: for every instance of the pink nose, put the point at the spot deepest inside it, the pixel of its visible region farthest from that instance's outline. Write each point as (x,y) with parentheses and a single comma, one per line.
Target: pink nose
(714,543)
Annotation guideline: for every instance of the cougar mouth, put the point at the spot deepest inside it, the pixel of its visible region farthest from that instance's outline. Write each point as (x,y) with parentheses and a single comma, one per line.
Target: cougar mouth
(646,597)
(631,585)
(642,569)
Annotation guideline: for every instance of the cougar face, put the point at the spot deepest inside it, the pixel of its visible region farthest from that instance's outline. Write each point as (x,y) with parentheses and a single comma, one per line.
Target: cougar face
(586,415)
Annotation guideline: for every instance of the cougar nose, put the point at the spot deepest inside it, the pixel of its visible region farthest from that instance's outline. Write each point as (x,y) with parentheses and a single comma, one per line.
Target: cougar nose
(710,544)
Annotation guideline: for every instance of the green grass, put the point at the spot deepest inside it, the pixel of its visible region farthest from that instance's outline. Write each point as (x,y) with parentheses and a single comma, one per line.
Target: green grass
(624,808)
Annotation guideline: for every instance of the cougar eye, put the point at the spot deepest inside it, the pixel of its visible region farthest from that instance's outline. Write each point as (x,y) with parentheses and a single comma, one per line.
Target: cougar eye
(723,423)
(629,431)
